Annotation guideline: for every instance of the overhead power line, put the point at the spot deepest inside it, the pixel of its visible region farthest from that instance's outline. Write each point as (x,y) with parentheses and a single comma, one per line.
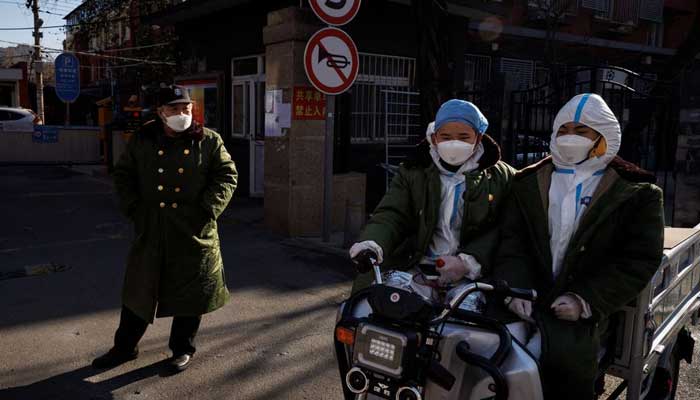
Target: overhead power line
(66,25)
(49,49)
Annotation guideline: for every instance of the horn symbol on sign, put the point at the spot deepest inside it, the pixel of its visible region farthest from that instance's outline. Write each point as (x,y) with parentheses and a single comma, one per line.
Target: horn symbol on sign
(335,4)
(332,60)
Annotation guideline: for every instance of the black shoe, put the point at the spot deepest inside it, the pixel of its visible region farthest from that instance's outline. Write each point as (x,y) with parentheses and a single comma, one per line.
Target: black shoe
(114,358)
(180,362)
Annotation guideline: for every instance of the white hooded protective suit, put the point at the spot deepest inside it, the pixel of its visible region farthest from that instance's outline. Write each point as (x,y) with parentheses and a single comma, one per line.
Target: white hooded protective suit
(572,184)
(447,233)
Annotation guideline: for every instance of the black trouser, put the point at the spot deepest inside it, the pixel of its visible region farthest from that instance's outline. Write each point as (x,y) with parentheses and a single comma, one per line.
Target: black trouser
(132,327)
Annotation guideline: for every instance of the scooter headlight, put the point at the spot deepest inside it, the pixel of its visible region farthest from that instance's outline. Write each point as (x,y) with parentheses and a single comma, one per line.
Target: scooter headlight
(380,350)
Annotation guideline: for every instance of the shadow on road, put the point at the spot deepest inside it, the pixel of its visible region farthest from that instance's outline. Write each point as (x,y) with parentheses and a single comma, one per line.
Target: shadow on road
(74,384)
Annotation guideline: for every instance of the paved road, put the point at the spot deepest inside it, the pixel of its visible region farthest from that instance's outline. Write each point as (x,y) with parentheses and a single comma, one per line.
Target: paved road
(272,341)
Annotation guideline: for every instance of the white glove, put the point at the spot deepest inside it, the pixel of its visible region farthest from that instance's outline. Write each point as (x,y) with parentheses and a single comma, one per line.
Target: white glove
(358,248)
(452,269)
(567,307)
(473,266)
(521,308)
(456,268)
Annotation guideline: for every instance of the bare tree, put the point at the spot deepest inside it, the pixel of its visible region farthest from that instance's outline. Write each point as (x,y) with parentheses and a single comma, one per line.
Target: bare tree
(552,13)
(106,22)
(662,101)
(433,58)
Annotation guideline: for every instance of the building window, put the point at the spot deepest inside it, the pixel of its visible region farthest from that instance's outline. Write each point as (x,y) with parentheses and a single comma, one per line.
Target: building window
(240,107)
(655,35)
(651,10)
(477,72)
(248,94)
(248,66)
(518,73)
(556,8)
(602,6)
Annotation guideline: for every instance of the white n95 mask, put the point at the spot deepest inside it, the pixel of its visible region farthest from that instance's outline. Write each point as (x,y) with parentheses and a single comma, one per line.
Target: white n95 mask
(179,123)
(574,148)
(455,152)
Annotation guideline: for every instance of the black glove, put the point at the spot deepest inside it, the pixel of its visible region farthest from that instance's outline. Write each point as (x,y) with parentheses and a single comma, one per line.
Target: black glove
(363,261)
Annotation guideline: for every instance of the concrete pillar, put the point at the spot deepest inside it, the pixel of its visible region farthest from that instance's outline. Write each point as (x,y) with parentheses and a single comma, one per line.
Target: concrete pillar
(294,161)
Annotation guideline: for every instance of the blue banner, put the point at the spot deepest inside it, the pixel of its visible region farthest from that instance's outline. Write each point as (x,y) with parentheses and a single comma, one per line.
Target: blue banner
(45,134)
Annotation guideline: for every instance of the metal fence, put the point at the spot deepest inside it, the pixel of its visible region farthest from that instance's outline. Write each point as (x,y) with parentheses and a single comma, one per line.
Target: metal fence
(380,81)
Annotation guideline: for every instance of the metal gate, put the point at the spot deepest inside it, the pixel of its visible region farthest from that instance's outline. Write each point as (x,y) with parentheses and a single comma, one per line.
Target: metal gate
(531,114)
(402,129)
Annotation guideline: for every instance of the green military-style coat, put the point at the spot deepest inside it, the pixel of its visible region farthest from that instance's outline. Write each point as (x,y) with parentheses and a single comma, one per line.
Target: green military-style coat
(173,190)
(611,257)
(404,222)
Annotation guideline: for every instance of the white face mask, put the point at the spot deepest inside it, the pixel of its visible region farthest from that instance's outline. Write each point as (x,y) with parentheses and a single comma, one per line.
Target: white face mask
(455,152)
(574,148)
(179,122)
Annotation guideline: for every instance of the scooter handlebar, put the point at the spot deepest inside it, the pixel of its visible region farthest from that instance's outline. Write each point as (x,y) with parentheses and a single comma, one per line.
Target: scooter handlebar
(498,287)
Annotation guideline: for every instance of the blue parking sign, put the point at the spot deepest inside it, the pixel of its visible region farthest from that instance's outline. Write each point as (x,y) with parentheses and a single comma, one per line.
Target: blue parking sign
(67,77)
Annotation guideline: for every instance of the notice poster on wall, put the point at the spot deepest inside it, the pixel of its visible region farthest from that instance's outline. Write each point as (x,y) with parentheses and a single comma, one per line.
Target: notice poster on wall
(278,115)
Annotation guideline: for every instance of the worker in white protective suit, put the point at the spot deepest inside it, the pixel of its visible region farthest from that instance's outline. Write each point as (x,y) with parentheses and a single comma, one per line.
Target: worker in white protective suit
(440,219)
(584,228)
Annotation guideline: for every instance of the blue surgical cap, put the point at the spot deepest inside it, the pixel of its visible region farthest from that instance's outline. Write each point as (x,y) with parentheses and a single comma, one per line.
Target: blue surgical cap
(461,111)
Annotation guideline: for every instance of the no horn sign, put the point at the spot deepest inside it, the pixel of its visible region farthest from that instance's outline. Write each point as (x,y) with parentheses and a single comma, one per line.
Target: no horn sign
(331,61)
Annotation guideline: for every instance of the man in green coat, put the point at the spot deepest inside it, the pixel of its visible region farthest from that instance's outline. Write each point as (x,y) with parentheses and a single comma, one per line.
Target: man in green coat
(584,228)
(173,182)
(446,211)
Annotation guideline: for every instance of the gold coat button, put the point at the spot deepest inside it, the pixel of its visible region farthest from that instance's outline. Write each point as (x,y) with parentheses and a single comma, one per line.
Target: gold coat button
(161,152)
(174,205)
(181,170)
(177,190)
(162,205)
(187,151)
(160,188)
(160,170)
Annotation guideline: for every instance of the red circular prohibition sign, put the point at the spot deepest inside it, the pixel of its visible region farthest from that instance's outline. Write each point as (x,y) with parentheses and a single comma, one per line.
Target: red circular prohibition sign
(331,20)
(314,42)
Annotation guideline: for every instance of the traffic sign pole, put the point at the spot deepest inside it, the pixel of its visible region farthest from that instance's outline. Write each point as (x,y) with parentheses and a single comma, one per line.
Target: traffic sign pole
(331,62)
(328,169)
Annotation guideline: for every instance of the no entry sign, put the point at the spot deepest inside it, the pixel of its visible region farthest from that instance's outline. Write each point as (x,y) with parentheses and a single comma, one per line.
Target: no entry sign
(335,12)
(331,61)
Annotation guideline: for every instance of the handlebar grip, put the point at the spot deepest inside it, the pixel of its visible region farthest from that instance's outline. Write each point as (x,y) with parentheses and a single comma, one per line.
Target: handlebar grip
(365,261)
(525,294)
(502,288)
